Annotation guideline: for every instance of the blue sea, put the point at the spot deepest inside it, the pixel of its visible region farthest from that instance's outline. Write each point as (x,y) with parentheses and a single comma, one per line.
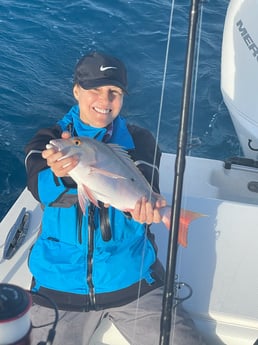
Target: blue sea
(41,41)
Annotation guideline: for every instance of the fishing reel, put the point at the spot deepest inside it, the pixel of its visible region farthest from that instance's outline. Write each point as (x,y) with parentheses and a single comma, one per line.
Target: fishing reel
(15,322)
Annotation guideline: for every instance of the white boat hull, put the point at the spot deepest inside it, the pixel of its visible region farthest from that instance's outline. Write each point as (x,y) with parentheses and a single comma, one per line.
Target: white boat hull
(220,261)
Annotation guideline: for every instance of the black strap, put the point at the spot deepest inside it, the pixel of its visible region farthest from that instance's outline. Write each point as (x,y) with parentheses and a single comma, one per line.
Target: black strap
(104,223)
(79,223)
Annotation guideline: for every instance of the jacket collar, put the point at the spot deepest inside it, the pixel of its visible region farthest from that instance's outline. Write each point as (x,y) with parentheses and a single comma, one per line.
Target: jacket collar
(119,131)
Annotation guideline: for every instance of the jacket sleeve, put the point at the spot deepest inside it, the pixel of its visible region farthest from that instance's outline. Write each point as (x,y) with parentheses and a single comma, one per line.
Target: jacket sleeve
(41,181)
(146,155)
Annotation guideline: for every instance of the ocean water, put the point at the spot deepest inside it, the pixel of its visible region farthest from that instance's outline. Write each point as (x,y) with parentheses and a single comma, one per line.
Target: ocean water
(41,41)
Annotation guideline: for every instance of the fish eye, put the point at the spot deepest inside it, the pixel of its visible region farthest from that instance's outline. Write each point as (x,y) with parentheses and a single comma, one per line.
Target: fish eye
(77,142)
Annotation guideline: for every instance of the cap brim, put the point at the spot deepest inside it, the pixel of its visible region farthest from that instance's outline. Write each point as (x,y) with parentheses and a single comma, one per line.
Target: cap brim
(92,84)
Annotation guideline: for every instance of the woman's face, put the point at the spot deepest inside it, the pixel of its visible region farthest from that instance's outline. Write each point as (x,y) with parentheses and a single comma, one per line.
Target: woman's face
(99,106)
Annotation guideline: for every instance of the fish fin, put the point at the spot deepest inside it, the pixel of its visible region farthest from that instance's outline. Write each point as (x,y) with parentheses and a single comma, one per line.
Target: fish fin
(186,217)
(84,196)
(120,152)
(94,170)
(83,201)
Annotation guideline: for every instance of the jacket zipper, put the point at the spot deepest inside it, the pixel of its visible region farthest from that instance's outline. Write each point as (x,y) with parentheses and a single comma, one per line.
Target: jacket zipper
(91,228)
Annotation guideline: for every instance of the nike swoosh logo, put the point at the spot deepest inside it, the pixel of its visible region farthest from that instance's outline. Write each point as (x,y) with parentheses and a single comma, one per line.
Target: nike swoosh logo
(103,68)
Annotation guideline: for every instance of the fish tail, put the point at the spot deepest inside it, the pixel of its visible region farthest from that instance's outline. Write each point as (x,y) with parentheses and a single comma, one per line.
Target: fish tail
(186,217)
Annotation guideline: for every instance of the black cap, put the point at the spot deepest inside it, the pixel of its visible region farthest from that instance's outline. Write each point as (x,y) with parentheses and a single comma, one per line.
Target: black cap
(97,69)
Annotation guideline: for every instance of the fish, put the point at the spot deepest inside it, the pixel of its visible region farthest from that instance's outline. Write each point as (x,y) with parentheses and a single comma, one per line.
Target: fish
(105,172)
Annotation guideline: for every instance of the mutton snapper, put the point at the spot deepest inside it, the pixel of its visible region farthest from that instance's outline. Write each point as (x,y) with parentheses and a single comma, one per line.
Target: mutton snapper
(106,173)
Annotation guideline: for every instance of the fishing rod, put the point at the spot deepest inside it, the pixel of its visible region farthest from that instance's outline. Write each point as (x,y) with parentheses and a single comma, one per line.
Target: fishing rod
(169,287)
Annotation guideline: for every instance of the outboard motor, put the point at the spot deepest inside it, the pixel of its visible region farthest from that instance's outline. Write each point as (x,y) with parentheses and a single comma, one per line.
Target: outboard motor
(239,72)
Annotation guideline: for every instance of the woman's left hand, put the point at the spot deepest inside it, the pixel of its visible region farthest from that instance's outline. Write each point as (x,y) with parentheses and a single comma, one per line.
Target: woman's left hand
(145,212)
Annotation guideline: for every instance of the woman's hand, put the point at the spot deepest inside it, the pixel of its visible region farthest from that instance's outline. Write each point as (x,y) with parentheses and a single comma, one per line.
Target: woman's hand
(60,166)
(145,212)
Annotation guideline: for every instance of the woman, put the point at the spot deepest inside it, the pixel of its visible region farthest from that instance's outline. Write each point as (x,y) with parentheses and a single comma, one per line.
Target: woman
(101,264)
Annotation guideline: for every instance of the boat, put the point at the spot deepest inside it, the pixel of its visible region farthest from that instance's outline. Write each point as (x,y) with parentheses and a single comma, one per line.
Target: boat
(215,274)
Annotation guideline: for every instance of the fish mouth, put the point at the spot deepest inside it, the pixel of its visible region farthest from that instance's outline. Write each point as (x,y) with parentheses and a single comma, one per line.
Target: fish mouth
(58,146)
(53,145)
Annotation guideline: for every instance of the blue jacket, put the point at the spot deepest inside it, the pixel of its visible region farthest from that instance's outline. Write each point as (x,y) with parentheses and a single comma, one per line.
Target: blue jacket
(72,256)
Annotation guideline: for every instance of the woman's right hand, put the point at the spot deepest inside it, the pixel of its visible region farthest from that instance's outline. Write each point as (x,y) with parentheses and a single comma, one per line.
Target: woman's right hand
(60,166)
